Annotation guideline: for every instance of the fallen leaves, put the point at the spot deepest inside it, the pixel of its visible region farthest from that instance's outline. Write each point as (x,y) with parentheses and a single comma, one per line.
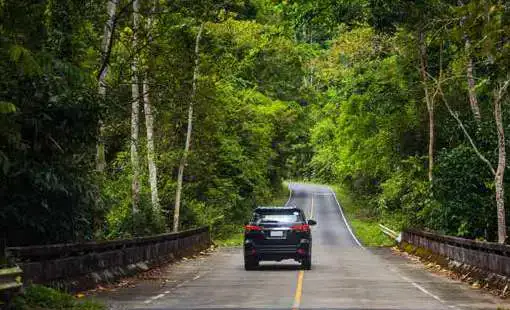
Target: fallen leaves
(113,287)
(159,273)
(459,272)
(475,285)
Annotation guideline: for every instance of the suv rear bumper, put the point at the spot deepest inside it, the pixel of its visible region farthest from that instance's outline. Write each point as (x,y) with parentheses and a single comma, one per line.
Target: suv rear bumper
(278,252)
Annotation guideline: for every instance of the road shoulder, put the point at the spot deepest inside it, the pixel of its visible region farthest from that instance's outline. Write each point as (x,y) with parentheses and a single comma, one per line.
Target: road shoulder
(454,293)
(142,289)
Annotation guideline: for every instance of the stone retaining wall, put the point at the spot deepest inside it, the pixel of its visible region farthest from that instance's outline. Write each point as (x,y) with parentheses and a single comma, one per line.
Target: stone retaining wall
(83,265)
(488,256)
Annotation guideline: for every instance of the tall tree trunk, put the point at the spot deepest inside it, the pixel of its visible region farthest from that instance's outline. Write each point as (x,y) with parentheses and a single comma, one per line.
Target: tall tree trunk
(151,153)
(428,100)
(188,133)
(149,125)
(135,112)
(431,139)
(500,172)
(473,100)
(106,46)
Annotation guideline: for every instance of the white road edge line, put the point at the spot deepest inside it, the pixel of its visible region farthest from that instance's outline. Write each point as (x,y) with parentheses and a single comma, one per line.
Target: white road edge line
(158,296)
(290,193)
(311,208)
(419,287)
(151,299)
(345,220)
(422,289)
(148,301)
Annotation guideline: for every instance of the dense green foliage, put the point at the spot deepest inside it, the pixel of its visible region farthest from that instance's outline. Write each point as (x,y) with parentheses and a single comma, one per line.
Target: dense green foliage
(46,186)
(246,121)
(44,298)
(371,130)
(329,90)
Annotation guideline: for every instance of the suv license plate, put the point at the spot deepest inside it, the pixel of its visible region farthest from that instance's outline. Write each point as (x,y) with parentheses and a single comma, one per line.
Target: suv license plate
(276,233)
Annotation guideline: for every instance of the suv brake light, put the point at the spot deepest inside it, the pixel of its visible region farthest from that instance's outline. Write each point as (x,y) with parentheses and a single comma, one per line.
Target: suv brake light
(301,228)
(248,228)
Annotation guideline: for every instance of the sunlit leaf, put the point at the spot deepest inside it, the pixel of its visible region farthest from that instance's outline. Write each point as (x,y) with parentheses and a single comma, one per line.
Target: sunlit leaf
(7,107)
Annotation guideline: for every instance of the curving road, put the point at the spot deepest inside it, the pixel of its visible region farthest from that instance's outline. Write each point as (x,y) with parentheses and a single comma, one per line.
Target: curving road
(344,275)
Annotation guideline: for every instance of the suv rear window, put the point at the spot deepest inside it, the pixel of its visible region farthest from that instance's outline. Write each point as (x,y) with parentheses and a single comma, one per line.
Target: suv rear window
(277,216)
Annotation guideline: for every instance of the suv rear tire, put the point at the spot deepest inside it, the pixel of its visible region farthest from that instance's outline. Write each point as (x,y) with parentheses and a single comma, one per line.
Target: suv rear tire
(250,263)
(306,263)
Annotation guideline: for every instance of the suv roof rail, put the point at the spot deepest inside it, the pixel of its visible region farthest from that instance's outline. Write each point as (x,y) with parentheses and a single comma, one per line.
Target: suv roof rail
(275,207)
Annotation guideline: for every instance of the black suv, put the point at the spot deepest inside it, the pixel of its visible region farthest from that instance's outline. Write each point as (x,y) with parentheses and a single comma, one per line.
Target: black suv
(277,233)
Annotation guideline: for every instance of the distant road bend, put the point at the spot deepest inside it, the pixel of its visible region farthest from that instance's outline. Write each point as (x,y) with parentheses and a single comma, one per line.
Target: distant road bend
(345,275)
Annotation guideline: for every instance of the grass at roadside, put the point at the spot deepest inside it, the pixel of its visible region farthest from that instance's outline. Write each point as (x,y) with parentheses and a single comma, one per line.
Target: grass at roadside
(281,195)
(233,234)
(44,298)
(365,228)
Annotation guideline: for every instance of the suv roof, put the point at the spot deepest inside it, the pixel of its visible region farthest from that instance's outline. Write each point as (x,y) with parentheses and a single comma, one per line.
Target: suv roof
(269,208)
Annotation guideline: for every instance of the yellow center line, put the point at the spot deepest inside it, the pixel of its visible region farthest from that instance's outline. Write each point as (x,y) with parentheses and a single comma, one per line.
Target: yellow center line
(299,291)
(301,274)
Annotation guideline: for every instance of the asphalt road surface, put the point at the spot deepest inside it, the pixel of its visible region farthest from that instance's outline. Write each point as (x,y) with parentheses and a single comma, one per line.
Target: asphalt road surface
(344,275)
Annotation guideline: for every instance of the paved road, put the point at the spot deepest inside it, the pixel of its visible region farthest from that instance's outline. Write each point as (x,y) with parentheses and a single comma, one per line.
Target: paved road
(344,275)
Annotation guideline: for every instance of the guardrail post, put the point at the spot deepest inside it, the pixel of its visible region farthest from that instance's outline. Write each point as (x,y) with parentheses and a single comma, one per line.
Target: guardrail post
(3,256)
(10,283)
(390,233)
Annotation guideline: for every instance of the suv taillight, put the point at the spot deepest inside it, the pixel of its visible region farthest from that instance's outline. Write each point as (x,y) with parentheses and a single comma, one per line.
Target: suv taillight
(249,228)
(301,228)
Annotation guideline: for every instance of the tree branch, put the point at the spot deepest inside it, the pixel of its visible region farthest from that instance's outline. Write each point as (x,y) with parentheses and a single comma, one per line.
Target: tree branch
(109,45)
(461,125)
(501,91)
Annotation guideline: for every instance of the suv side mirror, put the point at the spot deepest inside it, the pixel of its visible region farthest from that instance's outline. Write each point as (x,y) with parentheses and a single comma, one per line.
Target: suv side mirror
(312,222)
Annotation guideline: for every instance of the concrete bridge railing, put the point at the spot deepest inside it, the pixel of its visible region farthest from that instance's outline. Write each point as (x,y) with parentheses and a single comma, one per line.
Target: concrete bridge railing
(488,256)
(83,265)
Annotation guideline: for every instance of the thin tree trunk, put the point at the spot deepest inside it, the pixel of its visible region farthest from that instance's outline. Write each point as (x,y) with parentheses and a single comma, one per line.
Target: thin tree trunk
(188,133)
(151,153)
(500,172)
(473,100)
(149,125)
(106,45)
(431,140)
(135,112)
(428,100)
(498,179)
